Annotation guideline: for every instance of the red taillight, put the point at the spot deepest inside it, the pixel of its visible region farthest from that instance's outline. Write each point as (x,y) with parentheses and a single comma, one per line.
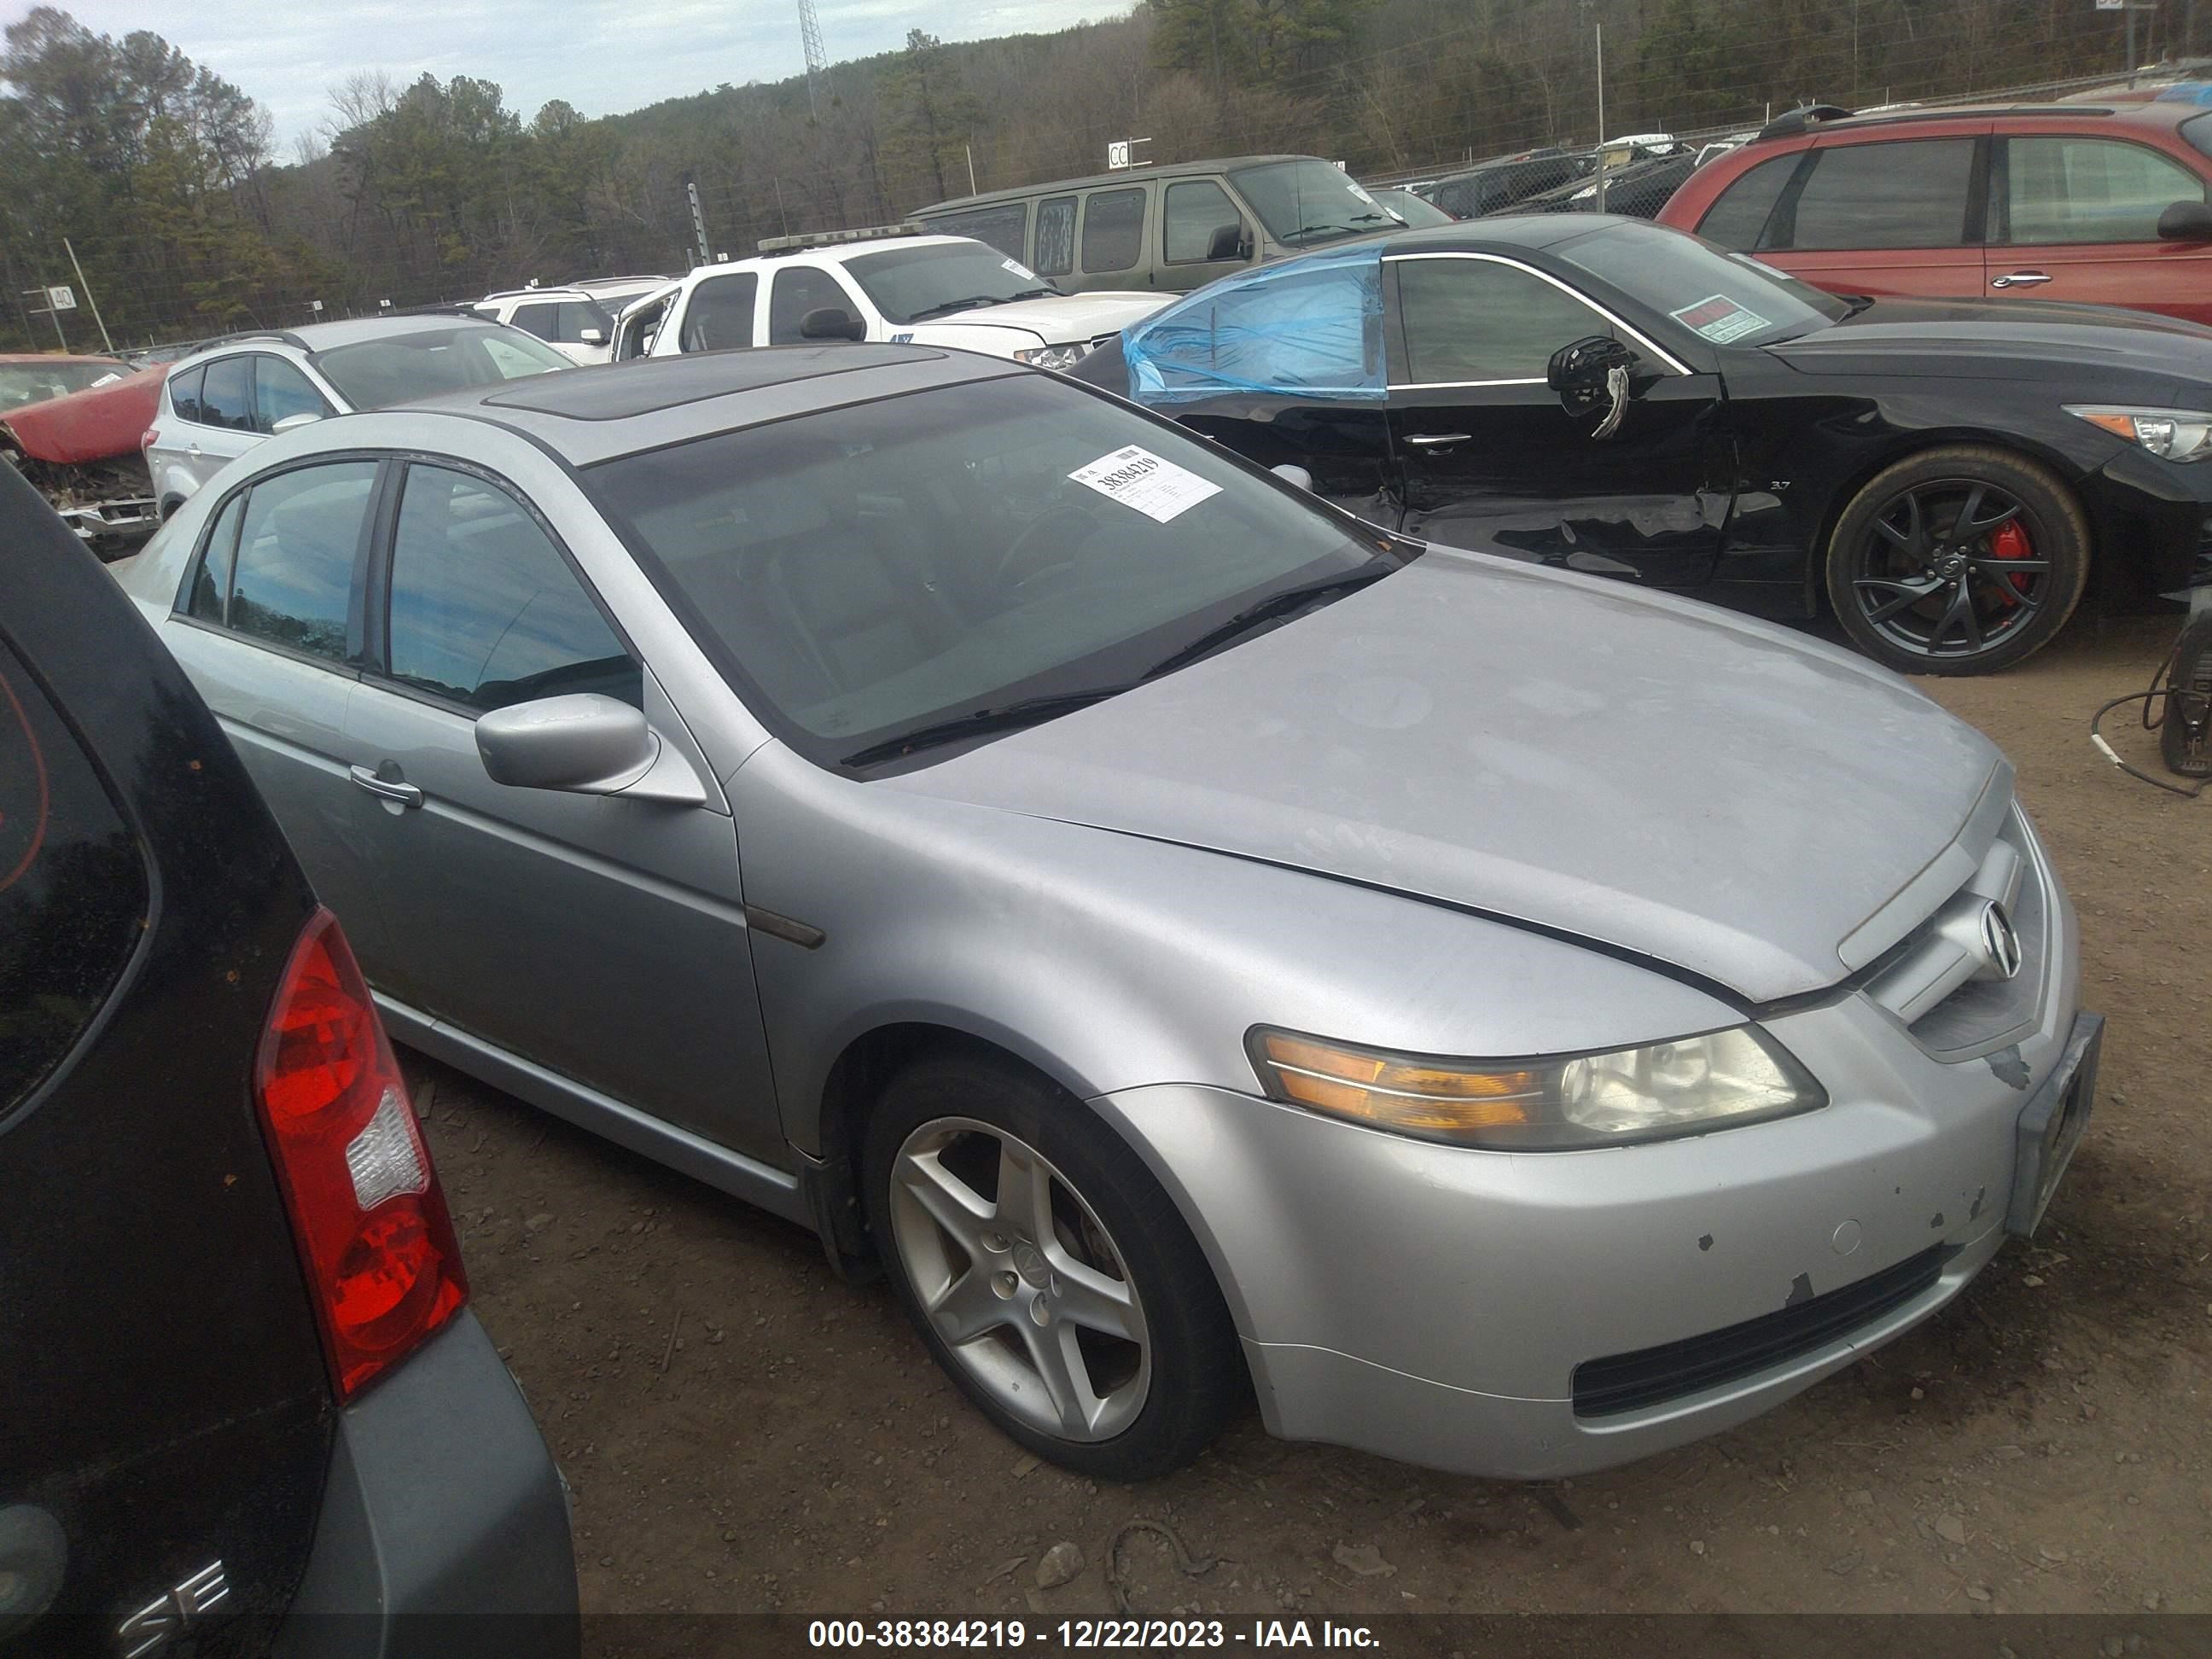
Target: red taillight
(149,438)
(374,1233)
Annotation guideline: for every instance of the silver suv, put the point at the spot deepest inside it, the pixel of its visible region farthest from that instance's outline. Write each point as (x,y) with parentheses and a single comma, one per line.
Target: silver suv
(218,404)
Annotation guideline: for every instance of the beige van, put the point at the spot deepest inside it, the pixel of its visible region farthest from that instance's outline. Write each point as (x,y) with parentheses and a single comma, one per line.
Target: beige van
(1173,228)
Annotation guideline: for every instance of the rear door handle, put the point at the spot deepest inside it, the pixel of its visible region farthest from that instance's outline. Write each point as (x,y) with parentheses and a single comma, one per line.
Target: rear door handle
(1436,439)
(2021,279)
(385,788)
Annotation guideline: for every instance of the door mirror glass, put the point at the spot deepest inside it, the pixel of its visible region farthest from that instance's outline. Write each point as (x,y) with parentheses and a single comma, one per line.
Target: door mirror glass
(830,323)
(590,336)
(293,422)
(1292,474)
(2185,222)
(584,744)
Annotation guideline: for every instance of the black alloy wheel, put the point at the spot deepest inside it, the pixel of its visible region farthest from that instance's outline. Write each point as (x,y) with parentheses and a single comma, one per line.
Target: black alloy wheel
(1957,561)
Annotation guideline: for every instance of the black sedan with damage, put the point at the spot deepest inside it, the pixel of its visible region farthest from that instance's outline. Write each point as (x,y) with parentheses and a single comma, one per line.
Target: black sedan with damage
(1621,399)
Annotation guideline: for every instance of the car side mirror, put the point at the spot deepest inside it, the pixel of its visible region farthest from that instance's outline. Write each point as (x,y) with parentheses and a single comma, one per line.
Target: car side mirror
(1594,374)
(2186,222)
(583,743)
(590,336)
(831,323)
(1229,242)
(1291,473)
(293,422)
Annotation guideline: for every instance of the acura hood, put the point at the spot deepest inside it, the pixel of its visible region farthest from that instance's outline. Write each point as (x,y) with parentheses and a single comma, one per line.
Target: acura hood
(1646,773)
(2011,340)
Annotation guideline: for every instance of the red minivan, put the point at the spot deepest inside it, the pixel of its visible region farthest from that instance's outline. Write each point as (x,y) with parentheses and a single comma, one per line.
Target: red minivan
(2102,204)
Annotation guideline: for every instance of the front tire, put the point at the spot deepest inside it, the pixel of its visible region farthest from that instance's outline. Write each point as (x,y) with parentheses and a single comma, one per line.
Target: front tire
(1961,559)
(1047,1270)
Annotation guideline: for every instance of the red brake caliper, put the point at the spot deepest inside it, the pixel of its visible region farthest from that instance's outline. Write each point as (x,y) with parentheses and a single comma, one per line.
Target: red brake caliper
(2011,542)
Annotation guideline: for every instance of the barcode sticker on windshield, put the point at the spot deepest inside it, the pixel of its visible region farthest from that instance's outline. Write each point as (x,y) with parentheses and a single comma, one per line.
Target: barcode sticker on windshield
(1019,269)
(1136,477)
(1719,319)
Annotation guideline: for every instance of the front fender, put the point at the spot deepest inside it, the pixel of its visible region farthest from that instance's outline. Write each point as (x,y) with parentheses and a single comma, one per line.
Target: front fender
(1112,961)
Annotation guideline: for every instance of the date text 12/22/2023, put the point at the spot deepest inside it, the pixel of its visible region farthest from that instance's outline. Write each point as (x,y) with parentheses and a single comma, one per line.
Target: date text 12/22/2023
(1080,1635)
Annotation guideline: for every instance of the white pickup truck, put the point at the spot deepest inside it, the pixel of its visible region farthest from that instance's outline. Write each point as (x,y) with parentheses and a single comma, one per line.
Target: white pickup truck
(931,291)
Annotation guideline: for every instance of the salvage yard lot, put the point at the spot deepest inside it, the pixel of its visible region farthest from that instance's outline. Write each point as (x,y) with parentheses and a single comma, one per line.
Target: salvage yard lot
(745,1434)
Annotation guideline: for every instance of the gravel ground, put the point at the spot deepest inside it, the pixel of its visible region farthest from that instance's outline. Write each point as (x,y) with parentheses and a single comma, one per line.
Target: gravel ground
(745,1434)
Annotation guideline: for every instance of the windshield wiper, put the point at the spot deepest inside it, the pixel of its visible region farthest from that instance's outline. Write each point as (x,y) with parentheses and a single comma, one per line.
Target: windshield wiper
(1274,606)
(1047,292)
(978,722)
(1315,230)
(968,304)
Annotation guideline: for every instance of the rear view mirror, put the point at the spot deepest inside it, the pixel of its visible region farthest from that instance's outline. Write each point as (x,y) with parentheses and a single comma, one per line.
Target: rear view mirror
(1229,242)
(583,743)
(590,336)
(2186,222)
(1291,473)
(830,323)
(293,422)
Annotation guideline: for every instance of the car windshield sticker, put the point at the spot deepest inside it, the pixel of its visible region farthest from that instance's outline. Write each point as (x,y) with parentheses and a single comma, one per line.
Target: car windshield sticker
(904,339)
(1719,319)
(1136,477)
(1019,270)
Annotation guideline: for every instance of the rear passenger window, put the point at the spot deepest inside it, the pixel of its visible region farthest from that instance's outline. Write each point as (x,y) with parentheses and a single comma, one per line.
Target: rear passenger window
(1002,227)
(797,290)
(1055,237)
(719,314)
(1735,220)
(211,581)
(484,610)
(227,394)
(1194,211)
(185,394)
(541,320)
(293,584)
(1911,193)
(280,390)
(72,887)
(1112,230)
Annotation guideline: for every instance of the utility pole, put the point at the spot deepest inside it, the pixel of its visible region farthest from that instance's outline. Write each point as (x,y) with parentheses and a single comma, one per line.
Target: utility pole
(698,221)
(1600,116)
(88,298)
(971,149)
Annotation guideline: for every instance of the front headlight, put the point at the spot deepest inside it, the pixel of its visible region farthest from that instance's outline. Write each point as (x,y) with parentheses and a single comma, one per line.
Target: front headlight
(2173,434)
(1553,1103)
(1054,356)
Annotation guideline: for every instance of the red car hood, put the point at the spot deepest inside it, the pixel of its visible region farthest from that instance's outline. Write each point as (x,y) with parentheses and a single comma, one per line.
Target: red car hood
(93,424)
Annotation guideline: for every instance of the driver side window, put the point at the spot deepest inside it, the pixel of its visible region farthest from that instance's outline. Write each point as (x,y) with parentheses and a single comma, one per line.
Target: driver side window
(1473,320)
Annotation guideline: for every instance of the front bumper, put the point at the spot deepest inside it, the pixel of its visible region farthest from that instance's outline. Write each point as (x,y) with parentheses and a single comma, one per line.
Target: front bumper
(442,1506)
(2152,521)
(1433,1304)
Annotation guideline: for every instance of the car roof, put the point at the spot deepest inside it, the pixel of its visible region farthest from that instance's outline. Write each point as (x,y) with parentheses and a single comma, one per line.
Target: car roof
(587,415)
(563,291)
(326,337)
(1493,232)
(2156,110)
(1128,176)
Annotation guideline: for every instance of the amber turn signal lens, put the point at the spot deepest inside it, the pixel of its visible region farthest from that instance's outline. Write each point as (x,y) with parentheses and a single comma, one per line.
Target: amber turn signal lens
(1417,1100)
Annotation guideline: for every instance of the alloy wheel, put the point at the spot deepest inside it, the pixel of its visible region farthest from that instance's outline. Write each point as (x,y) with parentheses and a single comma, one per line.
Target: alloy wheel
(1020,1280)
(1950,569)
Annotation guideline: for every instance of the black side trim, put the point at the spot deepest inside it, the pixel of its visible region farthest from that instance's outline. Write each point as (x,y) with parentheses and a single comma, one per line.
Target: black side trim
(783,928)
(1650,1377)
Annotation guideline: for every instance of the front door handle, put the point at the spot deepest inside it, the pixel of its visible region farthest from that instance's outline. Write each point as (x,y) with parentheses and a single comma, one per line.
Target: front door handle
(2021,279)
(1436,439)
(385,788)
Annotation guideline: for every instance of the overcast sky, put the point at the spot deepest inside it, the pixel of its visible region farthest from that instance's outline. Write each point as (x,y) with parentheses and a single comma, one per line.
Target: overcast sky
(603,56)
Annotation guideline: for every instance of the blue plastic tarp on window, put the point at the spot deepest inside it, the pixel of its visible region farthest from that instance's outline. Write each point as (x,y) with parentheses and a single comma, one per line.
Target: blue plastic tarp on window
(1306,328)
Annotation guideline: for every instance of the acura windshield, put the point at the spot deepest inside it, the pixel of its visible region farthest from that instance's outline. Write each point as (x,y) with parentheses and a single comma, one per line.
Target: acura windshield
(1304,203)
(402,367)
(911,284)
(871,572)
(1728,299)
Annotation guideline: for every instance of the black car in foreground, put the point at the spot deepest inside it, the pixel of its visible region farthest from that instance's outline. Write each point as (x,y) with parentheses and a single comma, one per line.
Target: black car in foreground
(1618,397)
(243,1405)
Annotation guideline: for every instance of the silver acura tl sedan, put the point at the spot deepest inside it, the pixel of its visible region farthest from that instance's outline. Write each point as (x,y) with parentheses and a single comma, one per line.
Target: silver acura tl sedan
(1200,943)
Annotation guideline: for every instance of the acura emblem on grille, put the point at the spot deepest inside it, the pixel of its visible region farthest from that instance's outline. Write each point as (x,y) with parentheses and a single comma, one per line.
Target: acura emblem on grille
(2000,942)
